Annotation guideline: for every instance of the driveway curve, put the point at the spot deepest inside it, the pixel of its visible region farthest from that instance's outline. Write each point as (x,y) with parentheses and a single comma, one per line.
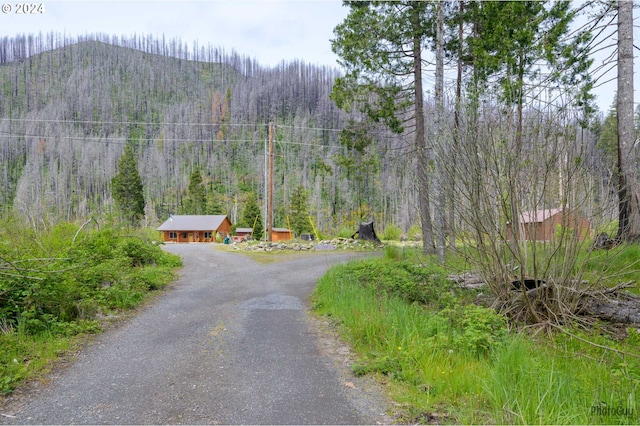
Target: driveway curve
(230,342)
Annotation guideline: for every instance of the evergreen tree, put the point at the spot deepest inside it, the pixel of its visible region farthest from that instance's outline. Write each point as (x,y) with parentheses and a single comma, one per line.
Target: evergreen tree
(214,206)
(380,46)
(252,216)
(299,214)
(127,189)
(196,200)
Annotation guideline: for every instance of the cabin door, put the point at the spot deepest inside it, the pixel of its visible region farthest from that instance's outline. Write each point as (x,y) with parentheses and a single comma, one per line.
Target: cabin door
(190,238)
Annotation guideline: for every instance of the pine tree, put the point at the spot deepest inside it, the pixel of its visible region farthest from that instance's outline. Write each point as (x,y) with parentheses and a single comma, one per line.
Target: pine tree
(252,216)
(127,189)
(196,200)
(380,46)
(299,214)
(214,206)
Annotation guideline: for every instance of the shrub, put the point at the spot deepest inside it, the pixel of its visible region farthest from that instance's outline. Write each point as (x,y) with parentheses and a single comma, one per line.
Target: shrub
(415,233)
(478,330)
(138,251)
(392,233)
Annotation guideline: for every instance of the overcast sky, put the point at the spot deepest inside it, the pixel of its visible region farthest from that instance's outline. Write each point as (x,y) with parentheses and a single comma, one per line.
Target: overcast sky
(267,30)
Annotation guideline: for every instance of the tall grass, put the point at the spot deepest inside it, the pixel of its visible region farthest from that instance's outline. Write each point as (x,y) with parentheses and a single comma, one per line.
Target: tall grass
(454,363)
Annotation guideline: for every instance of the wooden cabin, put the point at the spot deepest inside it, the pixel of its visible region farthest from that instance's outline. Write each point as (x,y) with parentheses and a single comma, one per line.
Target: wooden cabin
(542,225)
(194,228)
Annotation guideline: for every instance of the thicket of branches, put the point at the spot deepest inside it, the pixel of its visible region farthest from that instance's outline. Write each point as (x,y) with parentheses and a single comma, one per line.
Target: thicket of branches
(513,133)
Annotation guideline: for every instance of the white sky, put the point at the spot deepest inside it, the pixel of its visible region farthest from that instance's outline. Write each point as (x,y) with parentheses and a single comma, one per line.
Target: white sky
(267,30)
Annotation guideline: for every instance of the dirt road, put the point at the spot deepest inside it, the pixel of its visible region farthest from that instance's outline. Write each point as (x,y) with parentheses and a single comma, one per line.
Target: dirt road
(230,342)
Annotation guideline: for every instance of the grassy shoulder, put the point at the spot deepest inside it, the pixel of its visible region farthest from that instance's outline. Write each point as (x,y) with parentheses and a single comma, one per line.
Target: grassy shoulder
(445,359)
(60,284)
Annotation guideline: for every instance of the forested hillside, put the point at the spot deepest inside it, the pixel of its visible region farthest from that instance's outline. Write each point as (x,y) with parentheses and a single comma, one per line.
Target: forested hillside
(68,106)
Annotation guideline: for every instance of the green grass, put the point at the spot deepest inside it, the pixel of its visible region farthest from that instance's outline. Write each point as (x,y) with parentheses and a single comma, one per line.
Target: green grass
(27,356)
(450,362)
(618,265)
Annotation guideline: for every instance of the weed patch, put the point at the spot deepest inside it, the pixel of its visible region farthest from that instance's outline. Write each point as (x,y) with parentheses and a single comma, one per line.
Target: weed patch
(448,361)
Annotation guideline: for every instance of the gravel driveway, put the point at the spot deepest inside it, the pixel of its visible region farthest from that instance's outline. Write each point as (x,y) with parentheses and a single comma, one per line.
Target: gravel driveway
(230,342)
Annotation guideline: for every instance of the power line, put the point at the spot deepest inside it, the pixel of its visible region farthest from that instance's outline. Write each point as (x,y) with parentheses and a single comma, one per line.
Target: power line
(162,123)
(122,140)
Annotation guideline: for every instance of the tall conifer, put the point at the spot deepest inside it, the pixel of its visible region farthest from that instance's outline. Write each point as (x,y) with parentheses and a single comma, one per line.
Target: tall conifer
(127,189)
(252,216)
(196,200)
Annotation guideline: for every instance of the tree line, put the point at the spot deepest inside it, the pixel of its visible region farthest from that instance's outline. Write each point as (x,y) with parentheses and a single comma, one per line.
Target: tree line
(70,106)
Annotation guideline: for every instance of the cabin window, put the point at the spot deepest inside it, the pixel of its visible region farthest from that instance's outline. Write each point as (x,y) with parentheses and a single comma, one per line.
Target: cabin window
(184,235)
(207,234)
(173,235)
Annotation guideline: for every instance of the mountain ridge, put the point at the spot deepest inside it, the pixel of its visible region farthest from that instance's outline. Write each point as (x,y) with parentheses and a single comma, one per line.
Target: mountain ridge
(67,112)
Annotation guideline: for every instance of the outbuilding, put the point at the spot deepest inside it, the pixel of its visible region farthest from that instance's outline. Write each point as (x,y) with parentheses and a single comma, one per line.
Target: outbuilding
(543,225)
(281,234)
(195,228)
(242,234)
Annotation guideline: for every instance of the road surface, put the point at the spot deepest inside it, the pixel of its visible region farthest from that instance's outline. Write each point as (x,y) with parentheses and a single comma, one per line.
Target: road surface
(231,342)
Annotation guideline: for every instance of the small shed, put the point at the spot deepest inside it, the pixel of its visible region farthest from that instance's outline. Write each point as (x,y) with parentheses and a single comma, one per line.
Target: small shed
(194,228)
(242,234)
(281,234)
(542,225)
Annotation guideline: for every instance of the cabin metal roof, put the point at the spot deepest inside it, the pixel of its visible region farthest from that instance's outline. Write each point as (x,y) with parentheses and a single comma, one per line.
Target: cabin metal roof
(192,223)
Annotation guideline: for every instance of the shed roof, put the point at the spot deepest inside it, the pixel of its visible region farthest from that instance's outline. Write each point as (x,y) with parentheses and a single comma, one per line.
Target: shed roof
(281,230)
(538,215)
(192,223)
(244,230)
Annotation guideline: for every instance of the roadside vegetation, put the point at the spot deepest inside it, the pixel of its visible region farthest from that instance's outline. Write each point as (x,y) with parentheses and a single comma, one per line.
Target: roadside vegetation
(447,357)
(64,281)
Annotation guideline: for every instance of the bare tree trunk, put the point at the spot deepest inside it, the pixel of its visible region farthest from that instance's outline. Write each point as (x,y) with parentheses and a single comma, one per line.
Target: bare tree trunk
(428,246)
(628,208)
(441,200)
(456,132)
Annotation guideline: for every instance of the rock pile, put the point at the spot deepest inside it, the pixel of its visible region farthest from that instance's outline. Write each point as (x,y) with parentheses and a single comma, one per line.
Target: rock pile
(324,245)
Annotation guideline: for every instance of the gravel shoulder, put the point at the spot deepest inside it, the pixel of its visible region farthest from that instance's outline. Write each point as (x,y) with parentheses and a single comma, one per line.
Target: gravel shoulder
(230,342)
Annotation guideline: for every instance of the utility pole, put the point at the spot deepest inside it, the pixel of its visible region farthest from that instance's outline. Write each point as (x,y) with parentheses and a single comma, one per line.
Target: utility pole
(270,194)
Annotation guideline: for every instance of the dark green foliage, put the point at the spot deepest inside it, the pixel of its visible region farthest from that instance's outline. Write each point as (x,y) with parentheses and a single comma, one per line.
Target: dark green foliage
(196,200)
(512,37)
(214,206)
(299,214)
(127,190)
(372,46)
(55,283)
(46,286)
(252,217)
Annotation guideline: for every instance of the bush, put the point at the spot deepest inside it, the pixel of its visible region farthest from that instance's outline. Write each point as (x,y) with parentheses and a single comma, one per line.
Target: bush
(415,233)
(425,284)
(392,233)
(138,251)
(478,330)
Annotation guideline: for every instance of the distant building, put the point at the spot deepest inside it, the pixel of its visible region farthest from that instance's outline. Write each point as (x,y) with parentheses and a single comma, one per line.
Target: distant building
(542,225)
(242,234)
(281,234)
(194,228)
